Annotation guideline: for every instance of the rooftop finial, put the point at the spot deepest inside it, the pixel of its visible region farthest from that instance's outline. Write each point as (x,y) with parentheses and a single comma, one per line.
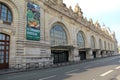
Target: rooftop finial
(91,21)
(60,2)
(78,10)
(70,8)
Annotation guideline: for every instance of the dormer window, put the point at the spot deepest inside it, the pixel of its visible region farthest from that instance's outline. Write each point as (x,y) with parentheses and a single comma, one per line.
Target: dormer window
(5,14)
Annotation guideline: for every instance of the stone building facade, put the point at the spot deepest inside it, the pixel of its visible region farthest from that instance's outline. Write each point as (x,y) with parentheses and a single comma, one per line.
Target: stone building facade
(65,34)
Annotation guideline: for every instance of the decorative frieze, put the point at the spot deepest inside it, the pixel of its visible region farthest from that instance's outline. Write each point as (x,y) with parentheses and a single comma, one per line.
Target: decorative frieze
(77,15)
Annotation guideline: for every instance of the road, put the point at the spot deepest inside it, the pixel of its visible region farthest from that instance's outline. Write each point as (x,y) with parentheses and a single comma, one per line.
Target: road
(102,69)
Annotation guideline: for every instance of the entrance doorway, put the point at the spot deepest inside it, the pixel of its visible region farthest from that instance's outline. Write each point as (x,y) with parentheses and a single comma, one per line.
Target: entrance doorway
(101,53)
(82,55)
(4,50)
(94,54)
(60,56)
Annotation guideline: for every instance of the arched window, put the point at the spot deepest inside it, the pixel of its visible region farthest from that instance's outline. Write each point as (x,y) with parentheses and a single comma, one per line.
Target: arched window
(58,35)
(100,44)
(5,14)
(92,42)
(80,40)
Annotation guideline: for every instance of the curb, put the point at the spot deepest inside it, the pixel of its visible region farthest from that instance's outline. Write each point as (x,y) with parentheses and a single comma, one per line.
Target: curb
(54,66)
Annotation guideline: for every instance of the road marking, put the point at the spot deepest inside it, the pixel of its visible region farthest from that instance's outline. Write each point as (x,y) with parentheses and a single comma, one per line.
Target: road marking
(72,71)
(106,73)
(47,77)
(117,67)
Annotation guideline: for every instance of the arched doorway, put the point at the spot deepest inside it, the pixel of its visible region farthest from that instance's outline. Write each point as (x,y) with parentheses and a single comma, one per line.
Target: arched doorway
(4,50)
(81,45)
(59,50)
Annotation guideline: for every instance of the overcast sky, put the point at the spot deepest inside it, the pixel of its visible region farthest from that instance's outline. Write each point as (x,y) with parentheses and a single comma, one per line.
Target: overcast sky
(105,11)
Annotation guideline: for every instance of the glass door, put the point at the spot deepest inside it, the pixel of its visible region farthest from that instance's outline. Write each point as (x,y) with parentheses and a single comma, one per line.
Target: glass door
(60,56)
(4,50)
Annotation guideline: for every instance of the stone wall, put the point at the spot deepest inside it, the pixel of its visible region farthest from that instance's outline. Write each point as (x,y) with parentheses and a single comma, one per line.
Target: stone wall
(51,12)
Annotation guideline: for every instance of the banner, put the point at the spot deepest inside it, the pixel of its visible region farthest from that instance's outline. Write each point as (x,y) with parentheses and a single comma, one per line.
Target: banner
(33,22)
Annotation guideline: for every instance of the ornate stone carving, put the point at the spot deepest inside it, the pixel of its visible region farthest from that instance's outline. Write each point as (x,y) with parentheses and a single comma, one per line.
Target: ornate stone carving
(91,21)
(97,24)
(59,2)
(76,15)
(78,10)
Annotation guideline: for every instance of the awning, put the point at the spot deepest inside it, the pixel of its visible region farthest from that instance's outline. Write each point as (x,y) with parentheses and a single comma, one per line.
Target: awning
(62,47)
(84,49)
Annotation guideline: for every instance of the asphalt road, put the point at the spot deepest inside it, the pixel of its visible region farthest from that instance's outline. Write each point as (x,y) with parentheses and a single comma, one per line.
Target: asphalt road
(103,69)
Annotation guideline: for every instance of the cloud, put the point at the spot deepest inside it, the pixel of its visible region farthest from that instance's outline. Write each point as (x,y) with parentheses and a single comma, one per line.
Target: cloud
(105,11)
(95,6)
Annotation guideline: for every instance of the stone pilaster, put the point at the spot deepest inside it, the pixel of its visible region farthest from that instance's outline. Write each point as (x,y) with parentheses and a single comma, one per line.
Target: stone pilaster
(74,55)
(104,54)
(89,54)
(98,55)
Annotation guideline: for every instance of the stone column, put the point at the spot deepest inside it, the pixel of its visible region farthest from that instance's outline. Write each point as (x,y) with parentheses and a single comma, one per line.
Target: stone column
(74,55)
(89,54)
(98,55)
(104,54)
(108,53)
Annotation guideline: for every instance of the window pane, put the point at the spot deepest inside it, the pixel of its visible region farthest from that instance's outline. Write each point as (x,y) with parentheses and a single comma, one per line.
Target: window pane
(7,47)
(58,35)
(2,47)
(6,60)
(3,37)
(2,61)
(6,54)
(5,13)
(7,42)
(80,40)
(7,37)
(2,42)
(2,53)
(9,16)
(0,36)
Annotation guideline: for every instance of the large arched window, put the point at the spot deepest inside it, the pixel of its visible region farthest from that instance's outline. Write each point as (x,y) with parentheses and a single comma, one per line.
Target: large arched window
(58,35)
(92,40)
(5,14)
(80,40)
(100,44)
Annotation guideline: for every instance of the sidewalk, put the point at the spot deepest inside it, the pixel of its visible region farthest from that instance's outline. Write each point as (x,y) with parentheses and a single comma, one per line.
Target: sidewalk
(8,71)
(118,77)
